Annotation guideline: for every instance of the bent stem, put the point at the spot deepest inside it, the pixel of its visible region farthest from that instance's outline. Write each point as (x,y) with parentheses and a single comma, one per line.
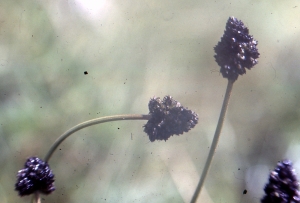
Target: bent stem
(215,141)
(90,123)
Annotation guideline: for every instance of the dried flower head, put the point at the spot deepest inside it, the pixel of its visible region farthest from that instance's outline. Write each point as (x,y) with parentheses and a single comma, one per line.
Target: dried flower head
(236,50)
(168,117)
(283,186)
(35,176)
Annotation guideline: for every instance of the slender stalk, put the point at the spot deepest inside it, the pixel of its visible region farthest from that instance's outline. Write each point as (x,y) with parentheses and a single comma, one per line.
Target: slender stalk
(89,123)
(36,198)
(214,142)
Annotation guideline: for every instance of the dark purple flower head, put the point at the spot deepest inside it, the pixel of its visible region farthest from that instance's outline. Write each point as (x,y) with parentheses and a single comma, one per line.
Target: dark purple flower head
(168,118)
(35,176)
(236,50)
(283,186)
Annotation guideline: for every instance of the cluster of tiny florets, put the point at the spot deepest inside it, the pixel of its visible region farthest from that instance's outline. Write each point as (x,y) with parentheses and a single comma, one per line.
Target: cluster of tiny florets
(283,186)
(236,50)
(35,176)
(168,117)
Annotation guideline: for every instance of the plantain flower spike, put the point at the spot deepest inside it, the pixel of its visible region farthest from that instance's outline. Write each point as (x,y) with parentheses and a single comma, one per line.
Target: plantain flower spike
(168,118)
(236,51)
(36,176)
(283,186)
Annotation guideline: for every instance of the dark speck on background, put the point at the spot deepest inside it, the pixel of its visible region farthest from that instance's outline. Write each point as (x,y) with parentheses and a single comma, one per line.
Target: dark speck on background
(85,72)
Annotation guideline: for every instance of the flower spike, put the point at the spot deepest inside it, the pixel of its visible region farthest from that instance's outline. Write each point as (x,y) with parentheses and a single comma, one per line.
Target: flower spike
(236,50)
(168,117)
(283,186)
(36,176)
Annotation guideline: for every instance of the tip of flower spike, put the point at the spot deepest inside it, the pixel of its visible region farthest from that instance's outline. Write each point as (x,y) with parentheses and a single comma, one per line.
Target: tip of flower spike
(283,186)
(168,117)
(236,51)
(35,176)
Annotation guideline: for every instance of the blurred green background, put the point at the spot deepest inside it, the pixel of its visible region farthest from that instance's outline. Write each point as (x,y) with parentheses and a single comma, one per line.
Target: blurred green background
(134,50)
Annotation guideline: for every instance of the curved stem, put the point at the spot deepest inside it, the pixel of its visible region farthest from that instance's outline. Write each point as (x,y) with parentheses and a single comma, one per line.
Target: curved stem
(215,141)
(89,123)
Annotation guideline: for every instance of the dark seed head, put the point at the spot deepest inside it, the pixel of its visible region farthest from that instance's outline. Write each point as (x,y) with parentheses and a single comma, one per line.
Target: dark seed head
(35,176)
(236,50)
(168,118)
(283,186)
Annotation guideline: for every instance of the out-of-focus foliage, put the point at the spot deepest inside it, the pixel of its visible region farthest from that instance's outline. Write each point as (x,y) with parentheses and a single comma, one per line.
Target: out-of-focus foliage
(134,50)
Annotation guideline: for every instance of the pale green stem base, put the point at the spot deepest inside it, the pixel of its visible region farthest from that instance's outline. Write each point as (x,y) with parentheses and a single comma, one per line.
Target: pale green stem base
(89,123)
(214,142)
(36,198)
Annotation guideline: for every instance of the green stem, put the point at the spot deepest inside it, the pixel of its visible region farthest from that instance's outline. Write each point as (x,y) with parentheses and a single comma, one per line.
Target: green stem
(215,141)
(89,123)
(36,197)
